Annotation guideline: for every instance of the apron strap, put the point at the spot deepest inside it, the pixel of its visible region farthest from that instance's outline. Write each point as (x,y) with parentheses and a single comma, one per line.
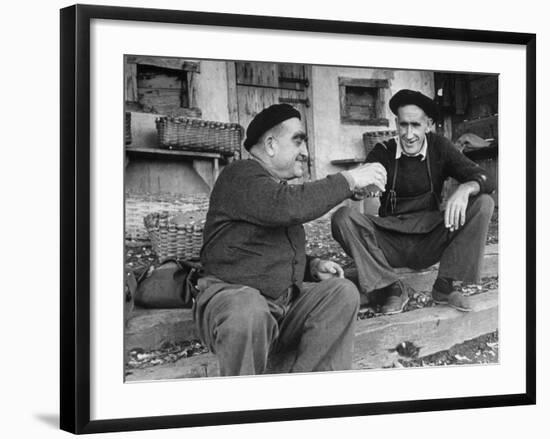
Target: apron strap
(392,199)
(429,170)
(393,195)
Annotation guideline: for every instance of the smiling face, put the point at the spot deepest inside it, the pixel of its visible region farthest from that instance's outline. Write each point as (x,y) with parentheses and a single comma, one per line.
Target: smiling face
(288,149)
(412,125)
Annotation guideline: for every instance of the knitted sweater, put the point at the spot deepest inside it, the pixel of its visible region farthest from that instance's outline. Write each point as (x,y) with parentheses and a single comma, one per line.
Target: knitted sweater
(253,233)
(412,175)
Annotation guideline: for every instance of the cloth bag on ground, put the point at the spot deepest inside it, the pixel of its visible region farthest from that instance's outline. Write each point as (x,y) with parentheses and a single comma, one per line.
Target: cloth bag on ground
(170,285)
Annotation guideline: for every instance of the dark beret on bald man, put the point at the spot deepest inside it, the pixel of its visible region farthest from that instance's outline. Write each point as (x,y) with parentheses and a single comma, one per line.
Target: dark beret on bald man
(267,119)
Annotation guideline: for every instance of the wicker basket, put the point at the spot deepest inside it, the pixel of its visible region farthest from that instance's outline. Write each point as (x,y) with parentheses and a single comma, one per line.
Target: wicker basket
(371,138)
(199,135)
(175,235)
(139,205)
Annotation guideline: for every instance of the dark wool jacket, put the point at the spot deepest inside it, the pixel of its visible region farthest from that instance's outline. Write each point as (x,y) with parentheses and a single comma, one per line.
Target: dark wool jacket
(253,233)
(445,161)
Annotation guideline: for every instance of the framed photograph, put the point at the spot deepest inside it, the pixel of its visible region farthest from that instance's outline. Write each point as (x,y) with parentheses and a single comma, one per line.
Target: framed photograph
(158,105)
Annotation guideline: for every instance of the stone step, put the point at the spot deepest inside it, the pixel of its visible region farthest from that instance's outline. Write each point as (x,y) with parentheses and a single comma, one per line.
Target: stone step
(149,329)
(431,329)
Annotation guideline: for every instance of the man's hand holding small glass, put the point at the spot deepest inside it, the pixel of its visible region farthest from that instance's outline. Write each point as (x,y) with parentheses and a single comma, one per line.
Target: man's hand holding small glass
(368,180)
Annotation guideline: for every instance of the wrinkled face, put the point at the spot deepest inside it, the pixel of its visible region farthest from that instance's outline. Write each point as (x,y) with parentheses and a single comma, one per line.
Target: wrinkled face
(412,126)
(288,150)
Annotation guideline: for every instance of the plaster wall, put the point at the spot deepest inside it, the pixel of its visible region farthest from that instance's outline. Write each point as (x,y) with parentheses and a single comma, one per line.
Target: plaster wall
(335,140)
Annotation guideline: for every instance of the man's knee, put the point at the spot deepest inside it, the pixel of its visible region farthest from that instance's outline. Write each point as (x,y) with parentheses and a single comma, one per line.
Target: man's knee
(483,205)
(344,291)
(341,217)
(346,218)
(246,314)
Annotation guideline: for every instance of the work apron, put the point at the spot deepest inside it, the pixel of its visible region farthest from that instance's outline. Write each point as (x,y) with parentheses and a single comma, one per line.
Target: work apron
(413,215)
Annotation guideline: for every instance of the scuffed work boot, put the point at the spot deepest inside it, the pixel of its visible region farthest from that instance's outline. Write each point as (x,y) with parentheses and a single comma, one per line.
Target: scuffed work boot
(443,293)
(398,295)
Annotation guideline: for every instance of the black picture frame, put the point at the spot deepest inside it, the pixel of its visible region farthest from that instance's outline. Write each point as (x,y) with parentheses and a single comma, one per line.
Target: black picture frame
(75,217)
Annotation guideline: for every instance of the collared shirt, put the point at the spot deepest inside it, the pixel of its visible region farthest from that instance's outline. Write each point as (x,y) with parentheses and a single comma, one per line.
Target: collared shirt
(399,150)
(445,161)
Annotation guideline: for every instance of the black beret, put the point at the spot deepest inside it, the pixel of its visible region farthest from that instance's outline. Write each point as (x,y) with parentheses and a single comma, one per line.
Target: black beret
(411,97)
(266,119)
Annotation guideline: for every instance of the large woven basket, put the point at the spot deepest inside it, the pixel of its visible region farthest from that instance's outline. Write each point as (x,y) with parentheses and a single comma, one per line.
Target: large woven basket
(175,235)
(199,135)
(371,138)
(139,205)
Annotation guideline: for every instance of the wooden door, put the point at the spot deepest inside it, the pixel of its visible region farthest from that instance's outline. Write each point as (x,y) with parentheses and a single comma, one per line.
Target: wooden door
(259,85)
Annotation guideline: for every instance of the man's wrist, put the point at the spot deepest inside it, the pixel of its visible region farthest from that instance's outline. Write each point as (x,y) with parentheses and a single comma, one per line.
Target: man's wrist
(471,187)
(350,179)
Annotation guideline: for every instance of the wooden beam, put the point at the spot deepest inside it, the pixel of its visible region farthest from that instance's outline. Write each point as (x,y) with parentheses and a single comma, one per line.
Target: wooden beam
(167,63)
(131,88)
(192,89)
(232,102)
(351,120)
(174,153)
(431,329)
(312,148)
(361,82)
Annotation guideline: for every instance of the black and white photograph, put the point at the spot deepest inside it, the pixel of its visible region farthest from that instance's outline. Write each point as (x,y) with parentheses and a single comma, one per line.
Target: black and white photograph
(275,220)
(285,218)
(272,219)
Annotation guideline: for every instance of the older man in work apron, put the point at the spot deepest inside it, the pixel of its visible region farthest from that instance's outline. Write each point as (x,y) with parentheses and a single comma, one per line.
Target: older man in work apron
(411,229)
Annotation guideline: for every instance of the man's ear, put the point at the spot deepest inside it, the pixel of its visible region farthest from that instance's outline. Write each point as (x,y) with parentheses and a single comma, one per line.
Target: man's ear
(269,147)
(430,126)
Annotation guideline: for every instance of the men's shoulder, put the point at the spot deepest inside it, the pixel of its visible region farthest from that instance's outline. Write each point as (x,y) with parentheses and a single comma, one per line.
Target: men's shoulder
(439,141)
(242,168)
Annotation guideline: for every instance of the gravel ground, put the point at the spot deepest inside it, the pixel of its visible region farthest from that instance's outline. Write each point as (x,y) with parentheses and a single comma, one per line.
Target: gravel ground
(480,350)
(168,353)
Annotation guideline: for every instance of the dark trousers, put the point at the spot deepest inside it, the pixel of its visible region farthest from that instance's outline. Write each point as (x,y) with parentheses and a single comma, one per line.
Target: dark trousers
(377,251)
(242,327)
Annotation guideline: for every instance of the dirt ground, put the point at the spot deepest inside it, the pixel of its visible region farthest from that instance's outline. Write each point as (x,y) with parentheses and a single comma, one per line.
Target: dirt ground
(480,350)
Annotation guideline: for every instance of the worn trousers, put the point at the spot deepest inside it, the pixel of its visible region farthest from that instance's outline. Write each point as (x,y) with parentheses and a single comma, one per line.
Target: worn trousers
(376,251)
(314,326)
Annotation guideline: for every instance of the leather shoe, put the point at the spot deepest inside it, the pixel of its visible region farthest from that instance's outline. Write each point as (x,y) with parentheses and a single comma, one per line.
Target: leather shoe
(398,298)
(454,299)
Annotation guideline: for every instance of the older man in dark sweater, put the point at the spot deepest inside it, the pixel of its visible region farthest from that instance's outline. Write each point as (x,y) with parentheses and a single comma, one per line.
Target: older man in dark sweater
(411,230)
(253,299)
